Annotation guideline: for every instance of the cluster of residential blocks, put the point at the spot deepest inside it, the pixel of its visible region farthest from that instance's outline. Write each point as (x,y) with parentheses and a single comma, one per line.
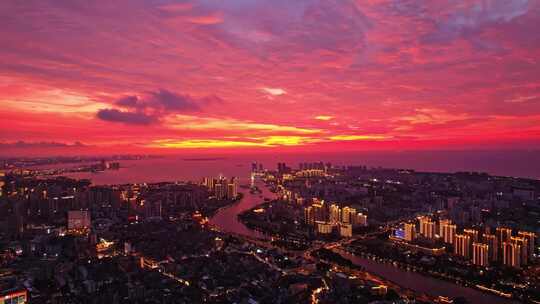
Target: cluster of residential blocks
(327,218)
(482,247)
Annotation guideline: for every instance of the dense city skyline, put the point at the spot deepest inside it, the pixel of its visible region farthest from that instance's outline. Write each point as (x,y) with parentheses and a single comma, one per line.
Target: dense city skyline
(163,76)
(311,232)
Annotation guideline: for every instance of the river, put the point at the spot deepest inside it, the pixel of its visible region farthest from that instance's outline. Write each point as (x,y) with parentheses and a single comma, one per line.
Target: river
(421,283)
(226,220)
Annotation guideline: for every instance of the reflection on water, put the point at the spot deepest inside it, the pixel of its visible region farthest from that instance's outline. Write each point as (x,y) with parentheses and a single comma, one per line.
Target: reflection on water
(227,218)
(166,169)
(173,168)
(421,283)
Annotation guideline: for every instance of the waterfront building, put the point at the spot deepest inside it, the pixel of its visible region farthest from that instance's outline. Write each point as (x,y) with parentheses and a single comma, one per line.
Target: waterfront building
(427,227)
(524,248)
(209,183)
(449,232)
(473,233)
(530,236)
(220,190)
(320,211)
(346,214)
(410,231)
(491,241)
(503,234)
(462,246)
(232,190)
(442,223)
(335,213)
(480,254)
(324,227)
(511,256)
(309,216)
(345,230)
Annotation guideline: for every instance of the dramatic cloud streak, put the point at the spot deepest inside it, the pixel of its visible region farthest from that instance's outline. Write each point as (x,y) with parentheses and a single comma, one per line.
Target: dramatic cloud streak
(271,74)
(115,115)
(153,107)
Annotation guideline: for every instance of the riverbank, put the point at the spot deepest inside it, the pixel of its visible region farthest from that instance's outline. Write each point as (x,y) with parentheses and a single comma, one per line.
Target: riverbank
(212,210)
(422,283)
(226,218)
(493,280)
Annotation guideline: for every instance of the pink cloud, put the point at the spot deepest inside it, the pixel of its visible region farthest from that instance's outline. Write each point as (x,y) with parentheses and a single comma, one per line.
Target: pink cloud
(370,65)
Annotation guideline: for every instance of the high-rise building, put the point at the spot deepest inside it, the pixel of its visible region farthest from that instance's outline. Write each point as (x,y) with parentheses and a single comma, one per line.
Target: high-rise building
(232,189)
(209,183)
(410,231)
(427,227)
(530,236)
(511,254)
(345,230)
(524,248)
(503,234)
(462,246)
(309,216)
(221,188)
(361,220)
(443,223)
(347,214)
(473,233)
(324,227)
(491,241)
(335,213)
(421,220)
(218,190)
(449,233)
(480,254)
(320,211)
(430,230)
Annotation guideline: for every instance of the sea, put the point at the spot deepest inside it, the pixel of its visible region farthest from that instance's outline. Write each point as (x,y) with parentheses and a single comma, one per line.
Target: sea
(194,167)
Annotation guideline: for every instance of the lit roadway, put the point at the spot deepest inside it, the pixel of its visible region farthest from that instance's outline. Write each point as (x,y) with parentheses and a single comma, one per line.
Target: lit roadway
(308,257)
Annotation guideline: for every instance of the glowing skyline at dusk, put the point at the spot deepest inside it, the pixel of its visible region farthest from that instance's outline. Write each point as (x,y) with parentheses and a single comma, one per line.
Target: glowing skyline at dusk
(243,75)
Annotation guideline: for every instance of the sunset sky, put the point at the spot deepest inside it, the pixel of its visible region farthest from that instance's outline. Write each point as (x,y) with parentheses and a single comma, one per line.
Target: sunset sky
(250,75)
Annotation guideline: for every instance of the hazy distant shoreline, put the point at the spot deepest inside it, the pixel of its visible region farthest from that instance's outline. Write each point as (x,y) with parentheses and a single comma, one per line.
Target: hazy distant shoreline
(204,159)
